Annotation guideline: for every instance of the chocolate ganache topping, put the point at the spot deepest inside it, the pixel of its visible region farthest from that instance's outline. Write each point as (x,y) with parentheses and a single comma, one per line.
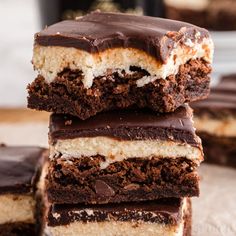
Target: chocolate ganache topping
(98,31)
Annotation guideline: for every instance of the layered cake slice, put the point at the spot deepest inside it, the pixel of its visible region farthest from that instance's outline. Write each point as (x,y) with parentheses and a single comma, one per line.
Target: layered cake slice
(123,156)
(106,61)
(215,120)
(20,169)
(170,217)
(211,14)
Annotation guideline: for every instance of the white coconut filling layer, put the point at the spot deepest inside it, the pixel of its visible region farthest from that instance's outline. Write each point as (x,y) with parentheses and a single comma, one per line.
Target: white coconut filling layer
(117,228)
(115,150)
(217,127)
(51,60)
(16,208)
(198,5)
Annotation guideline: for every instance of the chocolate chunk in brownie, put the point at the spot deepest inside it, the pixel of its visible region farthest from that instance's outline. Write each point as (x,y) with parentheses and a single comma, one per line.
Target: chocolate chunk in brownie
(73,180)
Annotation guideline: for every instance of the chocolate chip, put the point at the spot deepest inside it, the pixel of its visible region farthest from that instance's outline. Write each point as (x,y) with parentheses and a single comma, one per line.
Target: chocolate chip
(68,122)
(103,189)
(131,187)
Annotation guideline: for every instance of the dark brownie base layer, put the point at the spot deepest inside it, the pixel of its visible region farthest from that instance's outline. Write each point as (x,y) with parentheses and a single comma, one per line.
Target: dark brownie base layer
(219,150)
(17,229)
(82,181)
(207,19)
(67,94)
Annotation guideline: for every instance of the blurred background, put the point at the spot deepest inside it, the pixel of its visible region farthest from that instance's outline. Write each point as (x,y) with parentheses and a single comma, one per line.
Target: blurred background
(21,19)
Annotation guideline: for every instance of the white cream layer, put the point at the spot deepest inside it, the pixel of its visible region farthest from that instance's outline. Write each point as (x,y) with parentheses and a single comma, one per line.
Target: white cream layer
(16,208)
(198,5)
(118,228)
(51,60)
(112,228)
(115,150)
(219,127)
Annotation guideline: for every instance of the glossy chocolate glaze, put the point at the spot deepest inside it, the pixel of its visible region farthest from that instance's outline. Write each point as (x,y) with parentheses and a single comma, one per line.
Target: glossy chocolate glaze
(19,167)
(163,211)
(98,31)
(127,125)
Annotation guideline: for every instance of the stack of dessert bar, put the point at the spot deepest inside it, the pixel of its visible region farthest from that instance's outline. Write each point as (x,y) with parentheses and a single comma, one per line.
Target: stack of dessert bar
(123,150)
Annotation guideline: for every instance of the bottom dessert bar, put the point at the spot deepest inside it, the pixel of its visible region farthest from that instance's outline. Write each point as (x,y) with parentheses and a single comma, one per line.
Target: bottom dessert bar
(170,217)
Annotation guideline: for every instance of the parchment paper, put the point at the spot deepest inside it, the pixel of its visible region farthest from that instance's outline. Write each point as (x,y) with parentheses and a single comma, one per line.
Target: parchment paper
(214,212)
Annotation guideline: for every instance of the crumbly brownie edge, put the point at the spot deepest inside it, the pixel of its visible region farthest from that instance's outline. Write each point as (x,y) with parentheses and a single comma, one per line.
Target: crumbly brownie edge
(67,94)
(83,181)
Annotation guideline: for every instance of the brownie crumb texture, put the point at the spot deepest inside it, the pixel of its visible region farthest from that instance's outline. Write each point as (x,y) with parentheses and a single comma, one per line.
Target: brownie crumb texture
(83,181)
(67,95)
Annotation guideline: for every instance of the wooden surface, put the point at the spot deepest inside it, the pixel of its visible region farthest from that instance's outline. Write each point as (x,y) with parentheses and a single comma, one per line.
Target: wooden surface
(11,115)
(24,127)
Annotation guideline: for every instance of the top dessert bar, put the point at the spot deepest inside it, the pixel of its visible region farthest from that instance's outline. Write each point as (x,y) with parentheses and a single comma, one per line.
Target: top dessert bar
(106,61)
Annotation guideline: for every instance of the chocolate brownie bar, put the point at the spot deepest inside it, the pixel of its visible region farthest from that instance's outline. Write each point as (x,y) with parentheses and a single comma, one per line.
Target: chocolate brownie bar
(170,217)
(211,14)
(215,120)
(20,169)
(106,61)
(123,156)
